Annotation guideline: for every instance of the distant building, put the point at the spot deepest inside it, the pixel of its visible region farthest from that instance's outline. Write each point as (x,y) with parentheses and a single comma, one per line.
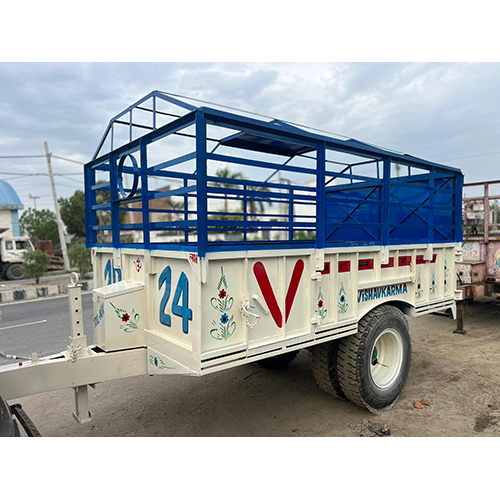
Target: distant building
(10,204)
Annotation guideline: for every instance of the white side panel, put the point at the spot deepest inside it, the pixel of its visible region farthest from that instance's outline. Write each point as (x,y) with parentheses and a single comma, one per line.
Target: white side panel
(236,307)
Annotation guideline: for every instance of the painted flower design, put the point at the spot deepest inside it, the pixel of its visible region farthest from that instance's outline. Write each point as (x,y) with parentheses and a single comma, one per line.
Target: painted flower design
(419,292)
(446,277)
(223,303)
(159,363)
(130,320)
(432,290)
(321,312)
(343,305)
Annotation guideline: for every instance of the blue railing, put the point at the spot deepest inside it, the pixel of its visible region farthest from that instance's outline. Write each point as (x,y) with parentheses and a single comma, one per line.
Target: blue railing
(262,184)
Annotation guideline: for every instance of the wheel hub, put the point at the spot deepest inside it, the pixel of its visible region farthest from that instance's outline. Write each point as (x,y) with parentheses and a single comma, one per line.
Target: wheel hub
(386,358)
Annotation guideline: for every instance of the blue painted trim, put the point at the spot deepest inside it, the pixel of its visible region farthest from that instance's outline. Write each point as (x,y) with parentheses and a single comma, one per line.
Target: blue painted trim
(320,195)
(201,181)
(145,196)
(386,186)
(115,216)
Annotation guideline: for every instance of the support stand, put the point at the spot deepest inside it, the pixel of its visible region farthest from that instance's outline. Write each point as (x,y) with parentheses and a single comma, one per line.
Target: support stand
(460,318)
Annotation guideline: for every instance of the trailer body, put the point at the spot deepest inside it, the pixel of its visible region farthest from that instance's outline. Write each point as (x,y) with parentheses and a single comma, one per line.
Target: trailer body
(198,268)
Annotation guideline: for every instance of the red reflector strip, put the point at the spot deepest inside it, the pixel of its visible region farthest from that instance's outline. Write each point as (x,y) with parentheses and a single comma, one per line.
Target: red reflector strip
(390,264)
(405,261)
(344,266)
(326,269)
(365,264)
(420,259)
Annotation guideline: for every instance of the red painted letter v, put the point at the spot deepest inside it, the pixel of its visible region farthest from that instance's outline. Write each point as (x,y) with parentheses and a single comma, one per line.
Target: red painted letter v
(267,290)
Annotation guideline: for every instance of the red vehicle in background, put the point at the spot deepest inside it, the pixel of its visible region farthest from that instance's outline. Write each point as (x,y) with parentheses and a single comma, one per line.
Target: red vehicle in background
(478,275)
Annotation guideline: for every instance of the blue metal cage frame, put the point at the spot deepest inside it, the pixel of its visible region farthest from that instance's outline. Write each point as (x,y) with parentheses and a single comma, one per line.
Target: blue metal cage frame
(339,207)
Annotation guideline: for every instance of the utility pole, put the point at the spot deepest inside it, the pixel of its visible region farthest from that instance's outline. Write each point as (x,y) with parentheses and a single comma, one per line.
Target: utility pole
(58,214)
(34,198)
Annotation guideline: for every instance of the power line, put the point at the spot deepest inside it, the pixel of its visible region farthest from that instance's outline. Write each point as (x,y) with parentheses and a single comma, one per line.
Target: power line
(26,174)
(67,159)
(42,156)
(23,156)
(71,179)
(19,173)
(473,156)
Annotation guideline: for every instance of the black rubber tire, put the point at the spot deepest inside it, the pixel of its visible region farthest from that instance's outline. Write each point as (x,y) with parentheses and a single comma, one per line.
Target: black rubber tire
(324,368)
(14,272)
(354,360)
(278,362)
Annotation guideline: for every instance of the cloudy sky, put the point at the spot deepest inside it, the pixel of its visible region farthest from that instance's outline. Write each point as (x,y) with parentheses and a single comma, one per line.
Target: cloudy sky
(445,112)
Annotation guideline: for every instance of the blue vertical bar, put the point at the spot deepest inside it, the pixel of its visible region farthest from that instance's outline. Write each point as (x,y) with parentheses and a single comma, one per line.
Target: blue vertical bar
(90,199)
(130,128)
(201,181)
(145,195)
(430,234)
(458,184)
(320,195)
(186,213)
(113,188)
(290,215)
(386,199)
(245,218)
(154,112)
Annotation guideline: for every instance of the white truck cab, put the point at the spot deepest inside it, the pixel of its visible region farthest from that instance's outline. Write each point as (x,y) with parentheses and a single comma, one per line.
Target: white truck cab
(12,250)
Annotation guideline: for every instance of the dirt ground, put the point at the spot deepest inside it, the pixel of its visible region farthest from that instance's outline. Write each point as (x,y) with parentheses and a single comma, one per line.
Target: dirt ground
(459,375)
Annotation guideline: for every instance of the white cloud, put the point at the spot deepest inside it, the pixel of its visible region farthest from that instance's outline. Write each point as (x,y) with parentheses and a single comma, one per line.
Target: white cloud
(436,111)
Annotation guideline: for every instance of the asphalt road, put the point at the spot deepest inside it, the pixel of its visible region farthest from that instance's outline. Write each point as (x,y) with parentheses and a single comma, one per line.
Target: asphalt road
(40,326)
(50,276)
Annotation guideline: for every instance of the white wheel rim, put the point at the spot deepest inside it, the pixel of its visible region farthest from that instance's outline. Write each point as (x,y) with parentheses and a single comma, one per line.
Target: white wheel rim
(386,358)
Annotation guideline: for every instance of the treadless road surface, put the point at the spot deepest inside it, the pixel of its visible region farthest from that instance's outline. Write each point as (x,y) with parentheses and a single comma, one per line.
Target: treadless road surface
(40,326)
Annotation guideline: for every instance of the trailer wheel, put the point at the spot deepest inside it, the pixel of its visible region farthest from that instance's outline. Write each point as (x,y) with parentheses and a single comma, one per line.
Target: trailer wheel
(14,272)
(324,368)
(373,364)
(278,362)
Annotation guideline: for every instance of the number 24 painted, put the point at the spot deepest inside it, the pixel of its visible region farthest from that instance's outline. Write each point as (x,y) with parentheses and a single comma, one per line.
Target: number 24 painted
(179,309)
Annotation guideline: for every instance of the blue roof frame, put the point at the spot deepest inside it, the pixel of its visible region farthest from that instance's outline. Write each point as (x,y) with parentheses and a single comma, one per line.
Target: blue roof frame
(279,138)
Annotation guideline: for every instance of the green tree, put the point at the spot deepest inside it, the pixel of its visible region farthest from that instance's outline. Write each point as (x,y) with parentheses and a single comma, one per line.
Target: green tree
(226,173)
(80,256)
(104,216)
(40,224)
(35,264)
(253,204)
(73,213)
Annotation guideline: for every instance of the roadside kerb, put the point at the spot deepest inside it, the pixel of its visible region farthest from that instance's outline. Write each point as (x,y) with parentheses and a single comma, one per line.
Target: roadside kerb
(39,291)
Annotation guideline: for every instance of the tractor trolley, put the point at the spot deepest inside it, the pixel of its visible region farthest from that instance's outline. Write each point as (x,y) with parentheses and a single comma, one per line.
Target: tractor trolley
(222,237)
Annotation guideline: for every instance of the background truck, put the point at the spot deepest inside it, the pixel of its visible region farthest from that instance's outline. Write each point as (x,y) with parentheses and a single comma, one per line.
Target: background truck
(12,250)
(222,238)
(479,272)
